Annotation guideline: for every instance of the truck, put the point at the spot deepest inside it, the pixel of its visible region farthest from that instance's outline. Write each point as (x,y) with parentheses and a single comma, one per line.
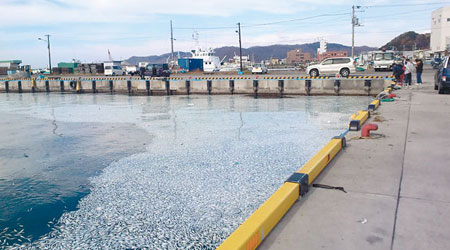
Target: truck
(383,60)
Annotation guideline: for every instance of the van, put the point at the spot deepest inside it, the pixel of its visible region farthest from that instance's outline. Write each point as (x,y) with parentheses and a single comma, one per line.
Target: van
(113,69)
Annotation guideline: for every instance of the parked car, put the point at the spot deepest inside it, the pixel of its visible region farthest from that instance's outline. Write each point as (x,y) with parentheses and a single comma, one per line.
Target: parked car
(259,69)
(113,68)
(342,65)
(442,77)
(155,70)
(436,62)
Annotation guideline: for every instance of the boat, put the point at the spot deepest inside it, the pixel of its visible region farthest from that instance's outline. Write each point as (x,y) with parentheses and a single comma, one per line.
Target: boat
(211,62)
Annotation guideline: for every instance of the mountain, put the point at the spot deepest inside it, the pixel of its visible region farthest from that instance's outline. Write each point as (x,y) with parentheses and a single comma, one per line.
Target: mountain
(134,60)
(258,52)
(407,40)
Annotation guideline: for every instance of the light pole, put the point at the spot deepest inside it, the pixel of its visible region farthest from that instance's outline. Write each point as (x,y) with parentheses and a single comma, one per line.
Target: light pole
(49,56)
(355,22)
(240,45)
(171,43)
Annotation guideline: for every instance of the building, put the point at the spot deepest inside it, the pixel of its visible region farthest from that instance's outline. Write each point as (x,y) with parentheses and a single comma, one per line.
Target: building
(323,47)
(297,56)
(440,30)
(274,61)
(9,65)
(330,54)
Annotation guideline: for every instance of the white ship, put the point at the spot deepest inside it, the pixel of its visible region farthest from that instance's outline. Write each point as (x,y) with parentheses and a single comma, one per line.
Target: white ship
(211,62)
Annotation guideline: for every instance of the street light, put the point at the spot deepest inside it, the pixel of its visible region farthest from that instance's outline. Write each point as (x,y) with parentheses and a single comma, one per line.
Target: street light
(240,45)
(48,46)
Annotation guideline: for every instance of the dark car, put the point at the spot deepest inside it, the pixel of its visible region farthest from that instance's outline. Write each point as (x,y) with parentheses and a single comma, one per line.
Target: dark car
(436,62)
(155,70)
(442,77)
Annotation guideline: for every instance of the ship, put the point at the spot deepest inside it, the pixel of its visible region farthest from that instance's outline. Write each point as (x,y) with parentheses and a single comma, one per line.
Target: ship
(211,62)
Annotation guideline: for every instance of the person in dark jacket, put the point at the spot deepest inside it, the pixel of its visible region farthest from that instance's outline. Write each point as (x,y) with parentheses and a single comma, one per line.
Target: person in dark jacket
(397,70)
(419,70)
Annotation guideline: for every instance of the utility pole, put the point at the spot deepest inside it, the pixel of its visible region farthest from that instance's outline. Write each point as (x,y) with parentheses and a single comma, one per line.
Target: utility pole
(171,41)
(240,45)
(49,56)
(353,30)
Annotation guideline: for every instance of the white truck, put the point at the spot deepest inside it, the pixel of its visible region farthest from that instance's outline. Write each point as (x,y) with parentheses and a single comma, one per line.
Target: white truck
(383,60)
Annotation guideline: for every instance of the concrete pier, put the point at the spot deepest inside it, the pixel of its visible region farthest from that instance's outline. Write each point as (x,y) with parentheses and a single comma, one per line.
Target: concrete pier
(396,186)
(215,85)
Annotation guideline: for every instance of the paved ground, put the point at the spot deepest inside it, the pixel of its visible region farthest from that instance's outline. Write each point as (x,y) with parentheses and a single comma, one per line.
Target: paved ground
(397,186)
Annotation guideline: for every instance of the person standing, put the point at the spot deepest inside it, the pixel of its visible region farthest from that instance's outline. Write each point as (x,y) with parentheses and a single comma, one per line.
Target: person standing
(409,68)
(397,70)
(419,70)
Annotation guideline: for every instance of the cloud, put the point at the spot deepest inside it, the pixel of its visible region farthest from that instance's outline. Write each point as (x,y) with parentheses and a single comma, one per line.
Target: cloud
(82,11)
(85,29)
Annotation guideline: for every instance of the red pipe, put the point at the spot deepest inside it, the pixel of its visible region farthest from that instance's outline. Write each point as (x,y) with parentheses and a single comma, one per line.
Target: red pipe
(365,131)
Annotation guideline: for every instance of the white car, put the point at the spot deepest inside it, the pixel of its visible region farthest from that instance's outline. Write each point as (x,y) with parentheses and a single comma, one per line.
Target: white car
(332,66)
(259,69)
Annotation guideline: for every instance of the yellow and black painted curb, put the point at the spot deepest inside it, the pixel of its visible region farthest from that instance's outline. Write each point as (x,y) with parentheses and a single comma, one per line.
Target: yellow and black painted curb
(196,78)
(255,229)
(374,105)
(358,119)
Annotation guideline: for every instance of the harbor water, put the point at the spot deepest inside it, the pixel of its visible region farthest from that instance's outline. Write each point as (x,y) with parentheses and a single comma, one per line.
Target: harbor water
(160,172)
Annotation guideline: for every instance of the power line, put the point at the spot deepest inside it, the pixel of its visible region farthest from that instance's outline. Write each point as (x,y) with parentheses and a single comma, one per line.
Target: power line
(265,24)
(297,19)
(397,13)
(403,5)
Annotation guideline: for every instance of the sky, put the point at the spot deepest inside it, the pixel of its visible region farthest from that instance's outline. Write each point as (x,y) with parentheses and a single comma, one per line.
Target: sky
(86,29)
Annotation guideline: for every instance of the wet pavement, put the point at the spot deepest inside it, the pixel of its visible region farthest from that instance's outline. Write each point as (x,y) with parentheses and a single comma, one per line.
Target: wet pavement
(112,171)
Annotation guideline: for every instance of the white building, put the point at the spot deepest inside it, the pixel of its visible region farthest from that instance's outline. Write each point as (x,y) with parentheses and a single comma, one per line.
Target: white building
(323,47)
(440,29)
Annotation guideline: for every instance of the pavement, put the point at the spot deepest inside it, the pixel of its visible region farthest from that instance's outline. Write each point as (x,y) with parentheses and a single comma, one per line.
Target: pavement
(396,186)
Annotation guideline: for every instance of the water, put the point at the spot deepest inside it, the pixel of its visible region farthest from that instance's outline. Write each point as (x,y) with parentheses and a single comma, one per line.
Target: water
(101,171)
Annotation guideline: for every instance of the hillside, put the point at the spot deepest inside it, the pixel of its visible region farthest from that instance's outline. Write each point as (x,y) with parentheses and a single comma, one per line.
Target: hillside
(407,40)
(258,52)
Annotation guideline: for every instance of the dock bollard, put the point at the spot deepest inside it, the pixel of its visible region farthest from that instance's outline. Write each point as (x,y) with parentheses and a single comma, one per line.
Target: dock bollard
(7,86)
(129,87)
(111,86)
(19,85)
(255,88)
(209,86)
(61,85)
(94,86)
(281,87)
(167,86)
(365,131)
(147,87)
(188,87)
(337,86)
(367,86)
(231,84)
(308,86)
(47,86)
(79,87)
(33,85)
